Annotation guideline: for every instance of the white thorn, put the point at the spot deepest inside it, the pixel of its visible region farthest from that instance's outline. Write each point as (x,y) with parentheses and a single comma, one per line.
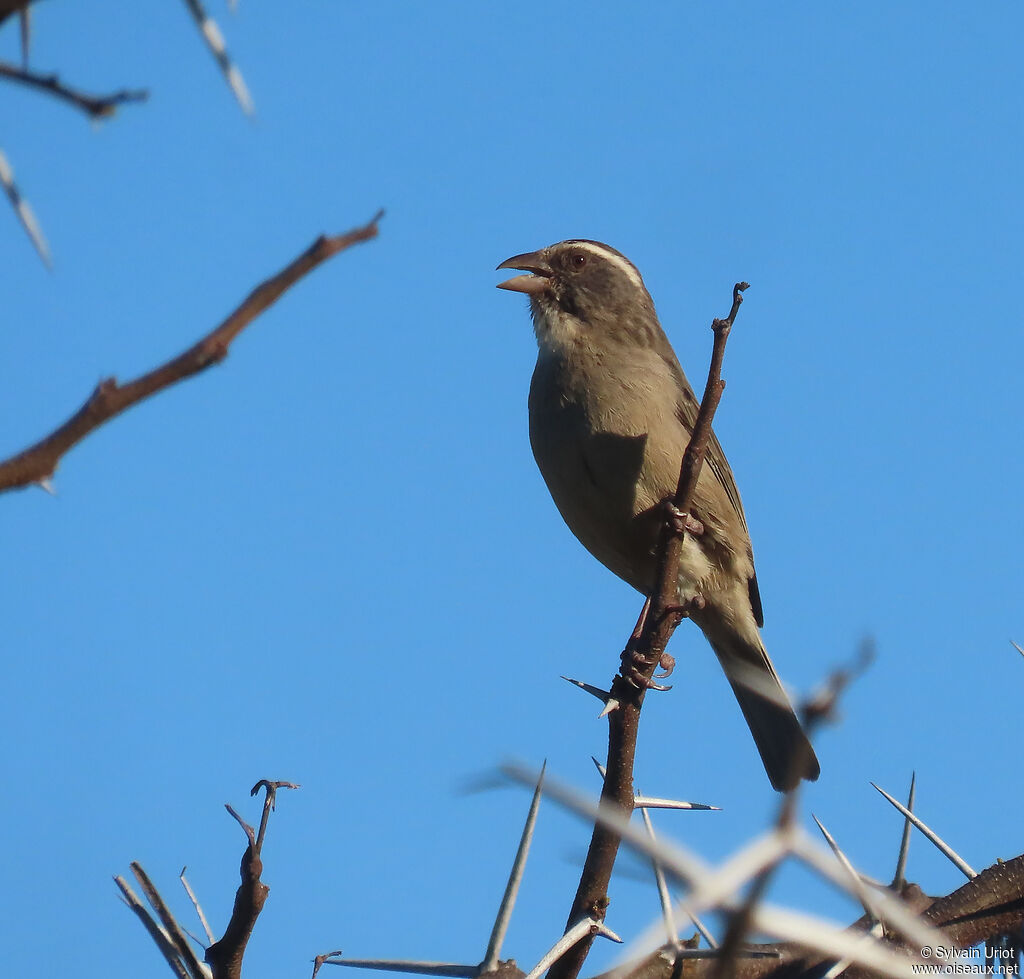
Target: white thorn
(962,865)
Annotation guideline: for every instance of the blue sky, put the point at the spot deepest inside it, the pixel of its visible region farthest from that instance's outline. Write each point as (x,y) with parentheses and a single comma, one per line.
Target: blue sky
(332,559)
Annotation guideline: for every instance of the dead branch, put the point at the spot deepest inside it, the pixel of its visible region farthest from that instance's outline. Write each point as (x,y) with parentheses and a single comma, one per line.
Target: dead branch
(224,956)
(647,643)
(94,106)
(37,463)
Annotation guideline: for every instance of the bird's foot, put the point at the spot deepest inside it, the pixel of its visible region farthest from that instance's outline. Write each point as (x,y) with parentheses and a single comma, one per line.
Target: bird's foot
(667,664)
(635,666)
(679,522)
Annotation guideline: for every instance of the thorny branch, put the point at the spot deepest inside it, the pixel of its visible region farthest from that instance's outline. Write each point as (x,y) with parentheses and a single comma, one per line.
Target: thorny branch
(990,905)
(36,464)
(661,619)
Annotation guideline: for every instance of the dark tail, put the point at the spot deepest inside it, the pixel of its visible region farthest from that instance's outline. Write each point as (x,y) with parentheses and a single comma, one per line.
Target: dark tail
(787,754)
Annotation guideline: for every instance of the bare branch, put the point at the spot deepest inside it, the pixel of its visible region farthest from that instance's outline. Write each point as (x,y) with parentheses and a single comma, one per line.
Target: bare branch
(225,956)
(94,106)
(38,462)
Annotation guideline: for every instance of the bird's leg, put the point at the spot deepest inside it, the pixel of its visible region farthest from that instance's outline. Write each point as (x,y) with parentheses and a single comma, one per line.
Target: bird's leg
(686,608)
(638,629)
(667,662)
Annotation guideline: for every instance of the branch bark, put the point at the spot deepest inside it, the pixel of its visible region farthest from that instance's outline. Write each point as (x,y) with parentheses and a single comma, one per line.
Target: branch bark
(94,106)
(224,956)
(648,642)
(37,463)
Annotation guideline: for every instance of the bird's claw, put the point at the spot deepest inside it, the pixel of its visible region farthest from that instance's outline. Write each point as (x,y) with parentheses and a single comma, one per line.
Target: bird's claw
(680,522)
(634,667)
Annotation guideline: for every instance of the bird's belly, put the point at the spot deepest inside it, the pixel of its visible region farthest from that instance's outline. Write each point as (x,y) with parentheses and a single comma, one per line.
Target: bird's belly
(606,488)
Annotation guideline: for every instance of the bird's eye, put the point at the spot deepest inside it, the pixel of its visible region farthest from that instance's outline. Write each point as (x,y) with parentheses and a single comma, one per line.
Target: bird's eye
(578,259)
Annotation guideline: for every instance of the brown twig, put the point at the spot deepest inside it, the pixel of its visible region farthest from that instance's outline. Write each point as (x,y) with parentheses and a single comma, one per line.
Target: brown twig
(225,956)
(647,644)
(269,804)
(37,463)
(94,106)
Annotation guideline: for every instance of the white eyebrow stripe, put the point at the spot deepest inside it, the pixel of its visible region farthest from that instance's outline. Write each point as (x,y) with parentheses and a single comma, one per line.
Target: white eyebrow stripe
(609,256)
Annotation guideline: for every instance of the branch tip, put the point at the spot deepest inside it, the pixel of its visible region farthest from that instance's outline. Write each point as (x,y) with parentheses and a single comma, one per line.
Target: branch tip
(110,398)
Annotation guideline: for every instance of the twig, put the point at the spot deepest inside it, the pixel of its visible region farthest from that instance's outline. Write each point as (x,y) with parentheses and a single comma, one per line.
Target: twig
(198,907)
(94,106)
(38,462)
(159,936)
(173,931)
(269,804)
(658,625)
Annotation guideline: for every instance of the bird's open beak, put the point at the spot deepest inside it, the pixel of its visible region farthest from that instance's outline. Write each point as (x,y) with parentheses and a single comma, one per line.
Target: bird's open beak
(532,262)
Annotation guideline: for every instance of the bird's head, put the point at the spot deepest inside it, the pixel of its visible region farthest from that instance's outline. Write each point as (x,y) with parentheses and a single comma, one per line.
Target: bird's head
(581,288)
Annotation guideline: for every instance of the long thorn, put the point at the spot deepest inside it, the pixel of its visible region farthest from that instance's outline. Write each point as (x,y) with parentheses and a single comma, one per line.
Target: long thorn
(899,878)
(844,860)
(603,695)
(214,41)
(962,865)
(515,878)
(649,802)
(659,878)
(450,969)
(24,212)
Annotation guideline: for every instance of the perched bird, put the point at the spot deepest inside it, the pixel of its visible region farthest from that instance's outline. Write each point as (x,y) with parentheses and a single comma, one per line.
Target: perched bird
(611,414)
